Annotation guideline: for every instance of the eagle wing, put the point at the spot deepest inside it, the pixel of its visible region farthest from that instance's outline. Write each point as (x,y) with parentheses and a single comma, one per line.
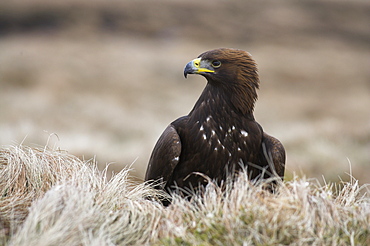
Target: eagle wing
(274,152)
(165,156)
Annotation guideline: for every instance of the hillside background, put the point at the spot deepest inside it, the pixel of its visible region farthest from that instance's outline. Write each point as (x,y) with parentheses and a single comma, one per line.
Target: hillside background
(102,79)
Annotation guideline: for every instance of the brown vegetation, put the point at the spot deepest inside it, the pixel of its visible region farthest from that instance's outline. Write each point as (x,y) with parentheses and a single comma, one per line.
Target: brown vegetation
(49,197)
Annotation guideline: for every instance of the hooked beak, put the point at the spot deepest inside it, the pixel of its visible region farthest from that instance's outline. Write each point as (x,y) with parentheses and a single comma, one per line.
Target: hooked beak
(198,66)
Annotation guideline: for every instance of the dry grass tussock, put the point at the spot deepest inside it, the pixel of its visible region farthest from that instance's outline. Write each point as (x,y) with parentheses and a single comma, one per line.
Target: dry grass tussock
(49,197)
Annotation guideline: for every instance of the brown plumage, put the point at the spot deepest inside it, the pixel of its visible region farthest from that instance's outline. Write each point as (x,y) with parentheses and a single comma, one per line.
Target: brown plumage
(220,134)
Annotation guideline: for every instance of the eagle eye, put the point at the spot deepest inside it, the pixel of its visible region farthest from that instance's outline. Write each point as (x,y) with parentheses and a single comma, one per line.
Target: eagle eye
(216,64)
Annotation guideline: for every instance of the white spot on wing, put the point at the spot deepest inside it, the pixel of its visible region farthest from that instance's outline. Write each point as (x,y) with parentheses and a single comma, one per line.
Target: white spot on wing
(220,128)
(176,158)
(239,149)
(204,136)
(208,118)
(233,128)
(213,132)
(201,128)
(216,148)
(244,133)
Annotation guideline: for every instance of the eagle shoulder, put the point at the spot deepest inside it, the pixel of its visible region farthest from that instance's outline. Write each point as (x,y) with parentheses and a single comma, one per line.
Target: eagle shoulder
(165,156)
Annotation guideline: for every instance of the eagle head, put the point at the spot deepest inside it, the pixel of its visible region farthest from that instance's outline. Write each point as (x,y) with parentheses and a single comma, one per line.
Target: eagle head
(232,71)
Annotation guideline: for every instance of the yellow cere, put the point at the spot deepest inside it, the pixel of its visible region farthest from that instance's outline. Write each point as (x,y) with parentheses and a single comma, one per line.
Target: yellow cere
(196,63)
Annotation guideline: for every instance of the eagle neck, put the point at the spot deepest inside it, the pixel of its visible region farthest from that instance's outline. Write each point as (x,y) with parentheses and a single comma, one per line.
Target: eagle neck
(216,100)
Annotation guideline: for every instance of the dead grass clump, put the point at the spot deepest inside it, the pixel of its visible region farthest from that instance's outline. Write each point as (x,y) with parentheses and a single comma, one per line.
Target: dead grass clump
(26,174)
(89,212)
(52,198)
(303,212)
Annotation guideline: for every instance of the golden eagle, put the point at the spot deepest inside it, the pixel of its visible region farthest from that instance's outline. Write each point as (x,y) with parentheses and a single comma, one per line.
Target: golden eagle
(220,135)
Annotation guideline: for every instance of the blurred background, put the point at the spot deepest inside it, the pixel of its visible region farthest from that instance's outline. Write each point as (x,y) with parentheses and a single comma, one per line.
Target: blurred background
(102,79)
